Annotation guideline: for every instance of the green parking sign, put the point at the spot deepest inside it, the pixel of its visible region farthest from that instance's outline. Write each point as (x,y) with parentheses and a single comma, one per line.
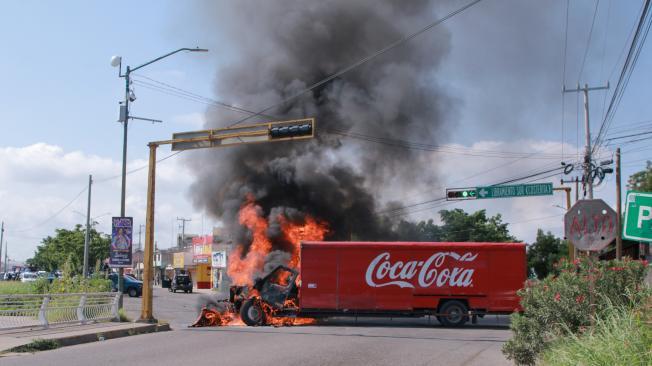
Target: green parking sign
(638,217)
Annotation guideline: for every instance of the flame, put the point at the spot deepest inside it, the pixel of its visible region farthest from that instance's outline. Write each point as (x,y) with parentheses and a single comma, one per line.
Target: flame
(243,268)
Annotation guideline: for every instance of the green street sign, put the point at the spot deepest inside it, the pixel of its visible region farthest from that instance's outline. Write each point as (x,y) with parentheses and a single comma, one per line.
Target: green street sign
(517,190)
(638,217)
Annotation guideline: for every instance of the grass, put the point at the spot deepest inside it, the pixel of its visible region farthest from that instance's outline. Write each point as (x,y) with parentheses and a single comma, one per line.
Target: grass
(37,345)
(123,315)
(16,287)
(620,337)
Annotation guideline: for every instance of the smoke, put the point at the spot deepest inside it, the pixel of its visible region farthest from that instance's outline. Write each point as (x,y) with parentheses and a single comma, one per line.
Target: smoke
(280,48)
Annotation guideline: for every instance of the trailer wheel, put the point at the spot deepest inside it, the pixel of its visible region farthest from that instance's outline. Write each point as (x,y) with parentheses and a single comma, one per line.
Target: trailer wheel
(252,313)
(455,314)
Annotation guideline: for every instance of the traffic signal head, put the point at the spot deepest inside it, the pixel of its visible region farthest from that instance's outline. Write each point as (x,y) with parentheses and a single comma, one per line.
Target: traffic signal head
(294,130)
(455,194)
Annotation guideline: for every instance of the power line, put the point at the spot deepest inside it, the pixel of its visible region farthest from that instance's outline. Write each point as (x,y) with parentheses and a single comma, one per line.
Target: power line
(52,216)
(139,168)
(359,62)
(629,65)
(588,41)
(440,148)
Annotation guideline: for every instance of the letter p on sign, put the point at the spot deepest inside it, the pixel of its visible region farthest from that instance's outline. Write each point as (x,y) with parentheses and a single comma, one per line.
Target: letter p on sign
(638,217)
(644,214)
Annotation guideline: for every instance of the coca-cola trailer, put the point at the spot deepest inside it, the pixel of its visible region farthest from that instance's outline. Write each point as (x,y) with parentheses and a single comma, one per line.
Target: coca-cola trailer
(453,281)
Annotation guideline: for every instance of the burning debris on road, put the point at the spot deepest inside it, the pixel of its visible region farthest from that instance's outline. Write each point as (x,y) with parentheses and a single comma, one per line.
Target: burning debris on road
(259,301)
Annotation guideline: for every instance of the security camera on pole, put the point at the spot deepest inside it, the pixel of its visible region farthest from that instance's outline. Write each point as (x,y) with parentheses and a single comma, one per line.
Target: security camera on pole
(116,61)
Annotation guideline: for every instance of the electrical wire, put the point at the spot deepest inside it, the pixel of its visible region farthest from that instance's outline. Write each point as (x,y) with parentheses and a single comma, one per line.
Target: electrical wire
(588,41)
(638,40)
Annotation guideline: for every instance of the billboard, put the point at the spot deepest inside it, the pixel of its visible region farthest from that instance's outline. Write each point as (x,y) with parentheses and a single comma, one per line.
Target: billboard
(218,259)
(177,260)
(121,238)
(202,247)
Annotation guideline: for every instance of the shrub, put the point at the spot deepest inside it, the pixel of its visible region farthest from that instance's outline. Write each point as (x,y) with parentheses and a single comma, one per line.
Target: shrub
(620,337)
(561,304)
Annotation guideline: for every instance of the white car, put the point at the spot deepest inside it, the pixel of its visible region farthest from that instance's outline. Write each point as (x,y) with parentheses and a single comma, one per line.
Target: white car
(28,277)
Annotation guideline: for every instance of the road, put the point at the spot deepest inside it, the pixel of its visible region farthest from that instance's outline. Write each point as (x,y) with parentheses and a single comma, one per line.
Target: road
(334,342)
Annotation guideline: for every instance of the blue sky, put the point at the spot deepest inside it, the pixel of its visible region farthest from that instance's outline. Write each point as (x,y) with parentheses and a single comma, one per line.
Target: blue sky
(60,91)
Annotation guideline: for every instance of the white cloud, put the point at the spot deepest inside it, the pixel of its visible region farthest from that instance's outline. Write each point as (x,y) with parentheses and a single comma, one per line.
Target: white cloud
(40,179)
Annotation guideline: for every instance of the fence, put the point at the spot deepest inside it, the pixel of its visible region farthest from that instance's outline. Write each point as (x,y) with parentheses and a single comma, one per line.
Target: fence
(27,310)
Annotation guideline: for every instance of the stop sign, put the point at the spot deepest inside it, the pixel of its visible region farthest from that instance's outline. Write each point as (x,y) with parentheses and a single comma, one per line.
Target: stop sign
(590,225)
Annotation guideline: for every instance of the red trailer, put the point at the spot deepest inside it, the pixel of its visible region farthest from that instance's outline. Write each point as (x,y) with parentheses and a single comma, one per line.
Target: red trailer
(453,281)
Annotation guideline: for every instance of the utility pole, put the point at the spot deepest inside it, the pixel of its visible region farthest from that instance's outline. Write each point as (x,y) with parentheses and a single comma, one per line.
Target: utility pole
(571,247)
(587,132)
(183,229)
(619,230)
(88,226)
(2,235)
(116,61)
(6,250)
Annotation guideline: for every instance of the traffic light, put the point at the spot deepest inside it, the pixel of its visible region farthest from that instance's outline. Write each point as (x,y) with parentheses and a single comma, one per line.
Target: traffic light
(456,194)
(287,131)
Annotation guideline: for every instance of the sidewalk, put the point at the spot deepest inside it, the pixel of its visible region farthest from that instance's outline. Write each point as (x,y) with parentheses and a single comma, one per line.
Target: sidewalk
(75,334)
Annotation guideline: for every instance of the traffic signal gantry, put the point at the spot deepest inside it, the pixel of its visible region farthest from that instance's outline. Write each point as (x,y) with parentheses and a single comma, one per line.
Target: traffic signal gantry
(297,129)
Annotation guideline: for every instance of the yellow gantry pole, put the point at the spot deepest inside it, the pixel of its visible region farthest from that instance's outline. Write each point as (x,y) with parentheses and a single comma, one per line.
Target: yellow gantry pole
(146,314)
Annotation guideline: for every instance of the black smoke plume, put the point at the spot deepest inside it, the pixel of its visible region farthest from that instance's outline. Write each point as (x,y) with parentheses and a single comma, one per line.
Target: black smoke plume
(280,48)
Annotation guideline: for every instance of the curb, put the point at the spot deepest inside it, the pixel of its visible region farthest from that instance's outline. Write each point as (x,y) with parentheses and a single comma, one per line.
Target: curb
(95,336)
(117,333)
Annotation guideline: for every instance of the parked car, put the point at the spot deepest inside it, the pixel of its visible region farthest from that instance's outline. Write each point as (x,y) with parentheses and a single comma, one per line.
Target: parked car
(181,282)
(28,277)
(132,286)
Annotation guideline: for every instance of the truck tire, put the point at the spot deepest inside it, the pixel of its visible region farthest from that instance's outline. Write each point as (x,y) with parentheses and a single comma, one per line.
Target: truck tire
(252,313)
(456,314)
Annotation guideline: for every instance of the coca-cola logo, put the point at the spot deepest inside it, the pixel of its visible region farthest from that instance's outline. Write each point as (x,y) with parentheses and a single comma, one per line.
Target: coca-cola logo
(382,272)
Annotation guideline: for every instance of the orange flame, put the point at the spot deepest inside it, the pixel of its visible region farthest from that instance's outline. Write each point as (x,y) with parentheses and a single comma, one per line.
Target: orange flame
(242,270)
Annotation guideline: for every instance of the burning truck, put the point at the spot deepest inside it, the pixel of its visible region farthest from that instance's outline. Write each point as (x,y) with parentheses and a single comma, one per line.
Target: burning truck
(456,282)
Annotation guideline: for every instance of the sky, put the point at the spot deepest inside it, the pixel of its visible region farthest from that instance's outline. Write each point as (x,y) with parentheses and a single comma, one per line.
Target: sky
(504,74)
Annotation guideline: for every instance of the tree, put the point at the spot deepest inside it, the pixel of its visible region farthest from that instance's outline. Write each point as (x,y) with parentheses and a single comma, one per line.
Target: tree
(461,226)
(641,181)
(55,251)
(545,252)
(457,226)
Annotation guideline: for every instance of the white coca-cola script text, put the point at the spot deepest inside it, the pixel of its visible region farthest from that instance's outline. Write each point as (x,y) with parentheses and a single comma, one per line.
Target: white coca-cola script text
(382,272)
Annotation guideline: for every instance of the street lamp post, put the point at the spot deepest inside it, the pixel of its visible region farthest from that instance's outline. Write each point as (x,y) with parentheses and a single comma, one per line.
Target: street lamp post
(116,61)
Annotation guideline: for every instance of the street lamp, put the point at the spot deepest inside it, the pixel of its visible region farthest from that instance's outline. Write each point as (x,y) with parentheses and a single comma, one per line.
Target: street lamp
(116,61)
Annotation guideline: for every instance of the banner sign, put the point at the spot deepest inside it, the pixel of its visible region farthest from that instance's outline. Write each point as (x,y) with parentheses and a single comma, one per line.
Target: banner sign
(121,236)
(202,247)
(219,259)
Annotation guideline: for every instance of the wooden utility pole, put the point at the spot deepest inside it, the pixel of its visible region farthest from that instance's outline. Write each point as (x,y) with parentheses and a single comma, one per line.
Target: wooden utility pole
(571,247)
(619,230)
(588,152)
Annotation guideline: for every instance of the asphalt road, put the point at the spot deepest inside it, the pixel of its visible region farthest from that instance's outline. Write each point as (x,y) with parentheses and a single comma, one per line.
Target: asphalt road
(334,342)
(179,309)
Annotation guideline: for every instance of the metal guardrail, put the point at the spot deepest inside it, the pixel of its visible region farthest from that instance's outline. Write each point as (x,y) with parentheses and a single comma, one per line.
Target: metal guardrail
(31,310)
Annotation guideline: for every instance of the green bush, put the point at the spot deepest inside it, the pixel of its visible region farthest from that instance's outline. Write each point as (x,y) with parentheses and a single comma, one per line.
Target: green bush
(620,337)
(561,304)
